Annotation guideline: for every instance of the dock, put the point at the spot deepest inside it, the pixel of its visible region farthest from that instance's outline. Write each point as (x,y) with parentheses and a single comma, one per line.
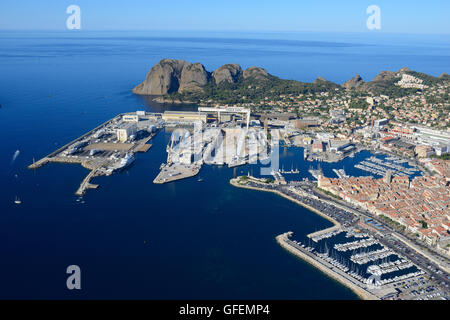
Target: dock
(143,148)
(102,150)
(175,171)
(330,230)
(49,157)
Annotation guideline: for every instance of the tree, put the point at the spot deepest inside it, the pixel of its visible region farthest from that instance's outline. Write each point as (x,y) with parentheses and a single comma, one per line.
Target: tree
(424,224)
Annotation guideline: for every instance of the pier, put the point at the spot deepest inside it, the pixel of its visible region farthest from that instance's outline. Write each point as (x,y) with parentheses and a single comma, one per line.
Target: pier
(85,184)
(363,243)
(379,167)
(39,163)
(278,177)
(325,233)
(365,257)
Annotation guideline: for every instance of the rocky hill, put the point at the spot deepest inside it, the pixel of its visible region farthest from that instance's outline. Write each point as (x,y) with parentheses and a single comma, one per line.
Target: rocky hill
(395,84)
(170,75)
(354,83)
(179,80)
(230,73)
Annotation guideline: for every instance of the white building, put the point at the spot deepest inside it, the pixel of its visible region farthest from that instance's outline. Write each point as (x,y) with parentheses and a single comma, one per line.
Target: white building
(442,148)
(324,136)
(409,81)
(338,145)
(125,130)
(380,122)
(439,140)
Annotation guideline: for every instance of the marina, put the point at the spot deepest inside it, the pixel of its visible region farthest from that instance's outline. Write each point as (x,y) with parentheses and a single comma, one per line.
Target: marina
(346,253)
(362,263)
(380,167)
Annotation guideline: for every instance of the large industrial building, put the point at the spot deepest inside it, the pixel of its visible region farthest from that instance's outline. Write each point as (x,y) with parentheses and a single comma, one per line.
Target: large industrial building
(184,116)
(338,145)
(306,123)
(125,130)
(224,114)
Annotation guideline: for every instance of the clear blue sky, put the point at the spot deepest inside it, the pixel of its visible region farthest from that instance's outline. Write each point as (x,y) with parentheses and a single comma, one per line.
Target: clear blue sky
(398,16)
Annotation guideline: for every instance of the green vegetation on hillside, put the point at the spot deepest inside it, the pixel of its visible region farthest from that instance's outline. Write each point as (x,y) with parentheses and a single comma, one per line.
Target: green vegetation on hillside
(253,90)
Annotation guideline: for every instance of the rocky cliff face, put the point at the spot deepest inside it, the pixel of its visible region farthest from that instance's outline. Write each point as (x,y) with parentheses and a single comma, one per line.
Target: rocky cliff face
(227,73)
(163,78)
(170,75)
(256,73)
(353,83)
(193,78)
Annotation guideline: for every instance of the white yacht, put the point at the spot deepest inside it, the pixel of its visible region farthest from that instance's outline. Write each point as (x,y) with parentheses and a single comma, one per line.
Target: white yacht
(123,162)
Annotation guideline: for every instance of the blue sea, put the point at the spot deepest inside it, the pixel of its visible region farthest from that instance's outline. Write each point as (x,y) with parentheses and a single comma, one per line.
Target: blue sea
(131,238)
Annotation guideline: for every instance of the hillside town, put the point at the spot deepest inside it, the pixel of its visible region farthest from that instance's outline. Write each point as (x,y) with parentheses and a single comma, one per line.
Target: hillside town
(346,110)
(419,206)
(415,125)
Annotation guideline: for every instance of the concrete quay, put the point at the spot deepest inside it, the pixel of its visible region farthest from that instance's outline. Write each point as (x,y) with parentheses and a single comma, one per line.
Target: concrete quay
(324,231)
(175,171)
(47,158)
(102,151)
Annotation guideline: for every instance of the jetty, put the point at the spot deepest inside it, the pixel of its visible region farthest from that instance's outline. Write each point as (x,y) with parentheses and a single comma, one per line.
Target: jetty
(85,184)
(325,233)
